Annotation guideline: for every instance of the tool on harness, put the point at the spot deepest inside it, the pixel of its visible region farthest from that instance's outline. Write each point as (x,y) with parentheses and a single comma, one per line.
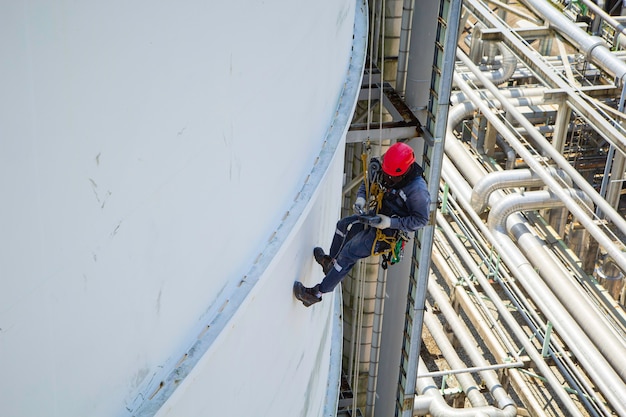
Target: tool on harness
(390,247)
(397,251)
(369,220)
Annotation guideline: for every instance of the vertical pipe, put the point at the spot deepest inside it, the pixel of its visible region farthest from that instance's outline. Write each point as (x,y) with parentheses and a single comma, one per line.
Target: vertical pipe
(608,381)
(537,166)
(469,344)
(500,306)
(560,125)
(466,380)
(611,184)
(405,34)
(379,306)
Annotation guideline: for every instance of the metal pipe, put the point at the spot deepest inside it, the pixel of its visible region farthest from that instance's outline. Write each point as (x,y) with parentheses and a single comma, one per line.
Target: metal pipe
(403,49)
(505,403)
(576,302)
(508,65)
(379,306)
(513,92)
(486,330)
(467,382)
(599,12)
(550,76)
(537,166)
(437,406)
(605,377)
(592,46)
(462,193)
(457,155)
(509,179)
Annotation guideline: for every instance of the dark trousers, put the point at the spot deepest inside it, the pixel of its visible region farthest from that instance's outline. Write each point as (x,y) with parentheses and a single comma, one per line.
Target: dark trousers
(352,241)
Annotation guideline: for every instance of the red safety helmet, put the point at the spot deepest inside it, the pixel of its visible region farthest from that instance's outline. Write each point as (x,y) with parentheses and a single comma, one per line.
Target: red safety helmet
(397,160)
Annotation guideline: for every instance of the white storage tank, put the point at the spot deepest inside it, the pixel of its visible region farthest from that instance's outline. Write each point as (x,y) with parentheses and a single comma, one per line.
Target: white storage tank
(166,169)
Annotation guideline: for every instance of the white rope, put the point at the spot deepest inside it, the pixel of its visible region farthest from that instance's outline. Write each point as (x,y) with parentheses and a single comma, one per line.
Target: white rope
(382,78)
(357,342)
(359,297)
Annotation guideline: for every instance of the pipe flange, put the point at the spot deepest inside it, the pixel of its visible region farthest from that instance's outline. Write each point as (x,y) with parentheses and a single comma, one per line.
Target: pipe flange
(596,41)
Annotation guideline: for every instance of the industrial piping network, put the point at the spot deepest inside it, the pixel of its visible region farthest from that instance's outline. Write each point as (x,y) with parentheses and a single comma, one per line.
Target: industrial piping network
(596,345)
(607,371)
(588,350)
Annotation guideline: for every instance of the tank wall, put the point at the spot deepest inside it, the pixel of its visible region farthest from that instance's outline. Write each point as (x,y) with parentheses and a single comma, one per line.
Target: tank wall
(149,151)
(274,356)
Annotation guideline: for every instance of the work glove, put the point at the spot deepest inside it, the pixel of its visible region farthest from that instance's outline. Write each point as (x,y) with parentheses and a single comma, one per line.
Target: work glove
(384,223)
(359,204)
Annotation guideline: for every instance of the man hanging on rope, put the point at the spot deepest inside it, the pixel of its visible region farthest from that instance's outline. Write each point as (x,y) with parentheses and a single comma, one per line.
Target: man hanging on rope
(389,205)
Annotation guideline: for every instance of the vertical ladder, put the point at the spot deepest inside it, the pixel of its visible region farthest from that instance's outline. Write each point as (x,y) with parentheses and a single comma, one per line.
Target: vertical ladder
(434,133)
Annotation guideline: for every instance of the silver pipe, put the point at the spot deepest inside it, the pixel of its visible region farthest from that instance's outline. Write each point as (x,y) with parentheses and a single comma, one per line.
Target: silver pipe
(611,345)
(575,98)
(508,151)
(605,377)
(505,403)
(467,382)
(509,179)
(508,64)
(465,109)
(592,46)
(462,194)
(560,357)
(488,329)
(600,13)
(379,306)
(615,252)
(403,49)
(513,92)
(437,406)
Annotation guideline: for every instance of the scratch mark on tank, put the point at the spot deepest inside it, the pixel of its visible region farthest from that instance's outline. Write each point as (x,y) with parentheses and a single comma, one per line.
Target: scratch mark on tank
(114,232)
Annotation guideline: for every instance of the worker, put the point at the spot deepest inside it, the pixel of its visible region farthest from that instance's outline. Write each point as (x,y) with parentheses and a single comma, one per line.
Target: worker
(405,206)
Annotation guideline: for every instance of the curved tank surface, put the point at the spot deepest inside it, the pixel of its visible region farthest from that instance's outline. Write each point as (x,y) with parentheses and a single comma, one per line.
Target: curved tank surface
(166,170)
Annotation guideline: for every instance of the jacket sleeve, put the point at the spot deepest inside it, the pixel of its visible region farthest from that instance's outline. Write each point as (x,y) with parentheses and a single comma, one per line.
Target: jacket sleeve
(418,204)
(361,192)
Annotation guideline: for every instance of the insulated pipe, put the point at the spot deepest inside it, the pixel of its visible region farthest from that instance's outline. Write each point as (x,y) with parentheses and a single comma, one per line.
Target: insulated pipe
(467,300)
(605,377)
(437,406)
(467,382)
(552,78)
(509,179)
(592,46)
(403,49)
(377,325)
(537,166)
(462,192)
(612,346)
(508,65)
(465,109)
(532,200)
(513,92)
(508,151)
(505,403)
(600,13)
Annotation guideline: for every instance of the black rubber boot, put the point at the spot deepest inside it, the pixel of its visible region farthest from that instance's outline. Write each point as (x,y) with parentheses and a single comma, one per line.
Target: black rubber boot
(308,296)
(324,260)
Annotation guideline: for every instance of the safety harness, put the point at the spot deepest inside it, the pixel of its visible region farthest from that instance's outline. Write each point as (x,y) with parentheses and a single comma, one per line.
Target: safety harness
(374,191)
